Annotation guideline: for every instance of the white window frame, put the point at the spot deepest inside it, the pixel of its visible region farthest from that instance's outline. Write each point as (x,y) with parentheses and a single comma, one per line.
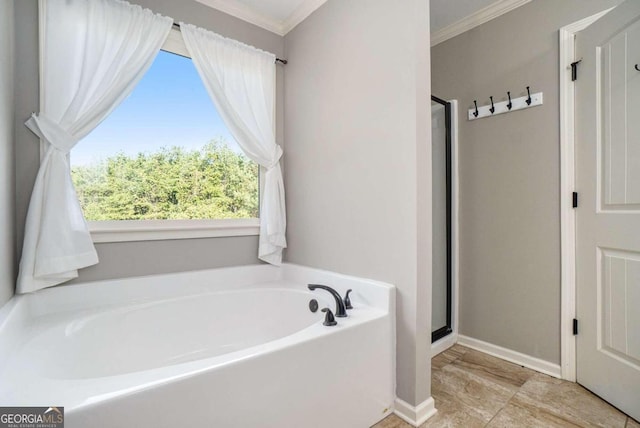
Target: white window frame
(152,230)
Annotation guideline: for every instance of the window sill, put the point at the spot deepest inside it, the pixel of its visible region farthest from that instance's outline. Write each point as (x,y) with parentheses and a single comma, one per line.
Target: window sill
(155,230)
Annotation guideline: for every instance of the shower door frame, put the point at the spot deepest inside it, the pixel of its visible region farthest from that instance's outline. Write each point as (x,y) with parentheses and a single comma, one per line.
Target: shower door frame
(448,328)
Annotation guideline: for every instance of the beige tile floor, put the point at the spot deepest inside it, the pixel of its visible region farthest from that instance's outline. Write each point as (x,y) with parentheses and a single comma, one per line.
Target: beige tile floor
(472,389)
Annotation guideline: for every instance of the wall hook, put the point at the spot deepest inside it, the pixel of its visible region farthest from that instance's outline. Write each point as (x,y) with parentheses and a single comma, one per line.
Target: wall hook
(637,67)
(497,107)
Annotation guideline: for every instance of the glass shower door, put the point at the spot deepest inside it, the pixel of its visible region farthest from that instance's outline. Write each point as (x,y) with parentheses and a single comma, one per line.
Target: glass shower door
(441,170)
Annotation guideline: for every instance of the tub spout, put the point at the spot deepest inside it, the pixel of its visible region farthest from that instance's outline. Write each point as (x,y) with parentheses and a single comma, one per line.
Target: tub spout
(340,308)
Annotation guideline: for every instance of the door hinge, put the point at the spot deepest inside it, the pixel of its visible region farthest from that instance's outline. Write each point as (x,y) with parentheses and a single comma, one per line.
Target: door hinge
(575,327)
(574,70)
(575,200)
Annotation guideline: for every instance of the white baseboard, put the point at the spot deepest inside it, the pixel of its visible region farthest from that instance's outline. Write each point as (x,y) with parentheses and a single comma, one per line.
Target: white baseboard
(528,361)
(443,344)
(417,415)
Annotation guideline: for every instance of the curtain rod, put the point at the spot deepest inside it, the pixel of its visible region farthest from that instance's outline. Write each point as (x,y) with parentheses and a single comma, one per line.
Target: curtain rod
(282,61)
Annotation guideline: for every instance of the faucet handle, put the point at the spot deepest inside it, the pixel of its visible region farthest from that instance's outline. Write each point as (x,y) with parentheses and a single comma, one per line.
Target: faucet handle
(347,300)
(329,320)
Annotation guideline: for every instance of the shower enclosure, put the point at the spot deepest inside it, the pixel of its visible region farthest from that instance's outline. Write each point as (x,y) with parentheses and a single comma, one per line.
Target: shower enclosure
(442,218)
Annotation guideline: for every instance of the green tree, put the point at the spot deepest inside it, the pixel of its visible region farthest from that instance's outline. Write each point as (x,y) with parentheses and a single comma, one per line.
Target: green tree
(213,182)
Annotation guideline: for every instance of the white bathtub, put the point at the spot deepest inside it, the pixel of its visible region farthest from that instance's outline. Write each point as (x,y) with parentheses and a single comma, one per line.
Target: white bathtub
(234,347)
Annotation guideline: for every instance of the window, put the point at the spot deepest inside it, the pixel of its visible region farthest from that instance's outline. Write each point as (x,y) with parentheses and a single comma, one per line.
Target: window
(163,165)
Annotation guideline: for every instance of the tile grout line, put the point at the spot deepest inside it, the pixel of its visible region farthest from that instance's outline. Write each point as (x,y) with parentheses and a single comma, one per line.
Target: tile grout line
(510,398)
(505,405)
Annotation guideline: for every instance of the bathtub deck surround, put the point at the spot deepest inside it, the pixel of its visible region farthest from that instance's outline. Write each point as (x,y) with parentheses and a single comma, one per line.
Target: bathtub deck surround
(223,347)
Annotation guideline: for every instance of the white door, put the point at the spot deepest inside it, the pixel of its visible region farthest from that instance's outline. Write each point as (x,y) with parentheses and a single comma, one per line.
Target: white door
(608,215)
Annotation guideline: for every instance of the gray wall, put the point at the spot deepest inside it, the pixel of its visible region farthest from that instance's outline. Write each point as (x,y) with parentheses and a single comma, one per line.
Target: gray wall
(510,174)
(7,170)
(358,158)
(134,258)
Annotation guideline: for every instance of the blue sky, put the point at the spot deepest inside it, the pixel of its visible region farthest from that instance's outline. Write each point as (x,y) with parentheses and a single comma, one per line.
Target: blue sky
(169,107)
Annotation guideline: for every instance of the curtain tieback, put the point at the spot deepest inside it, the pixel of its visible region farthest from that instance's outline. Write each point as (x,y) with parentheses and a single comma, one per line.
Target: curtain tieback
(51,132)
(276,160)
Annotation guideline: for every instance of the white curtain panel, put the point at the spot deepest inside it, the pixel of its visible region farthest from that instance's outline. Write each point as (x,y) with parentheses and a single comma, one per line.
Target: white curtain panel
(241,81)
(92,54)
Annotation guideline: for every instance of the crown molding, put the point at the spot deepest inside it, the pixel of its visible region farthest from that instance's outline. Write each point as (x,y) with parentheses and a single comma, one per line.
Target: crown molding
(245,13)
(250,15)
(486,14)
(301,13)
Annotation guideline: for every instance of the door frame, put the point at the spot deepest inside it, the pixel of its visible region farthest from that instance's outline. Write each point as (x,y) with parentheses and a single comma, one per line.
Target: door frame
(568,284)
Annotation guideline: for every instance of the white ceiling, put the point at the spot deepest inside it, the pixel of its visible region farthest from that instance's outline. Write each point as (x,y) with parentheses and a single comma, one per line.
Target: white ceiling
(277,16)
(278,10)
(450,17)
